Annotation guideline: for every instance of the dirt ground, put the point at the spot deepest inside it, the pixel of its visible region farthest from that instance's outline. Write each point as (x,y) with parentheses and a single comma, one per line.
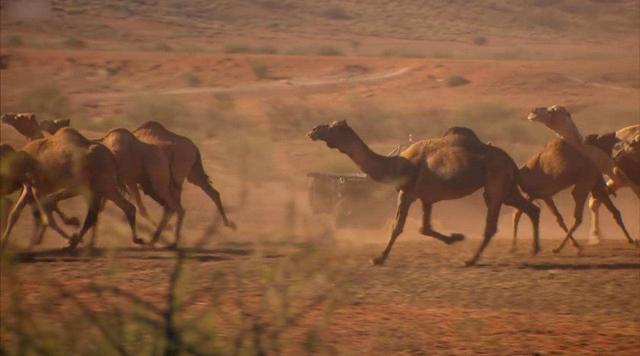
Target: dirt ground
(246,80)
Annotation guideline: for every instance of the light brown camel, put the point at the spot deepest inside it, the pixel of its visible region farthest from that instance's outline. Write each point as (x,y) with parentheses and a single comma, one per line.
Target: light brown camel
(28,126)
(185,161)
(70,165)
(624,147)
(15,168)
(450,167)
(558,167)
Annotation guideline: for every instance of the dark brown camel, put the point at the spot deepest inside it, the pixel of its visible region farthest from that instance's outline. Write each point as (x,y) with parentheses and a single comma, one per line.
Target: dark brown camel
(450,167)
(185,161)
(70,165)
(558,167)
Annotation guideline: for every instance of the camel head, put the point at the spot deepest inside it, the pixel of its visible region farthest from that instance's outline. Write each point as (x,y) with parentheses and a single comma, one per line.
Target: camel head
(25,123)
(338,134)
(52,126)
(604,142)
(558,119)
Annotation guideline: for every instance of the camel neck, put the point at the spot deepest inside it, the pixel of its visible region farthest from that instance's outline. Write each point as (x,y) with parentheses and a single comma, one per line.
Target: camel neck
(380,168)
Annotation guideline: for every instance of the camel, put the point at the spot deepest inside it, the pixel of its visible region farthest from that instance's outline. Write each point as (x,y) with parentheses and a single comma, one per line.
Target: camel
(139,164)
(28,126)
(445,168)
(185,161)
(557,167)
(624,147)
(71,165)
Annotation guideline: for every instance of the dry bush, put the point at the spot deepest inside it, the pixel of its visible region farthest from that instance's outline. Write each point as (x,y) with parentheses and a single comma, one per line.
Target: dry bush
(260,69)
(336,13)
(401,52)
(456,80)
(328,51)
(480,40)
(15,41)
(192,79)
(74,42)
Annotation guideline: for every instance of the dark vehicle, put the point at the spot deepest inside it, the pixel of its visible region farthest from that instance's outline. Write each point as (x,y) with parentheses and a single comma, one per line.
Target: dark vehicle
(353,198)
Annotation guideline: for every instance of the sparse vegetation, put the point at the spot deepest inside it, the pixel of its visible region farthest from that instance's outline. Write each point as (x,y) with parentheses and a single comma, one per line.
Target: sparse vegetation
(243,48)
(336,13)
(15,41)
(329,51)
(47,102)
(192,79)
(260,69)
(399,52)
(456,80)
(162,47)
(74,42)
(165,109)
(480,40)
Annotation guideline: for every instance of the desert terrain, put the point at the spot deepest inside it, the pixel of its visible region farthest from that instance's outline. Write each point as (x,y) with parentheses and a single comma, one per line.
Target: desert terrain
(246,80)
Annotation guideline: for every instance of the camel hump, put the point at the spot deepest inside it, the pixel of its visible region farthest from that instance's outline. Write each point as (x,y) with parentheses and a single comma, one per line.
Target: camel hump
(71,135)
(462,131)
(152,125)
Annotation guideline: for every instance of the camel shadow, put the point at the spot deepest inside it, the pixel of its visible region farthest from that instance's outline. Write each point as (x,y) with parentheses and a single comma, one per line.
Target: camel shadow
(136,253)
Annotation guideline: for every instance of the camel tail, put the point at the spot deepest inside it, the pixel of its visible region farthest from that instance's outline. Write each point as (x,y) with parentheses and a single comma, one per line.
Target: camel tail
(197,170)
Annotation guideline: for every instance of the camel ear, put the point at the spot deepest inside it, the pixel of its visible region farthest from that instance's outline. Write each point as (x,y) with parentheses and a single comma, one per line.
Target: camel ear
(341,123)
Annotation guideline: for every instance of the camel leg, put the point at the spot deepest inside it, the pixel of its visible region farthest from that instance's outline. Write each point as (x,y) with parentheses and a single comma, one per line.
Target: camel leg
(142,209)
(130,212)
(14,214)
(404,203)
(516,221)
(493,202)
(5,207)
(48,207)
(89,221)
(166,215)
(428,231)
(178,228)
(552,206)
(595,236)
(94,232)
(600,194)
(67,220)
(579,193)
(516,200)
(201,180)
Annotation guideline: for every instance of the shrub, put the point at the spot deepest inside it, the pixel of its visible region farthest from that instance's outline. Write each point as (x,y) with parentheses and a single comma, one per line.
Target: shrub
(336,13)
(74,42)
(329,51)
(397,52)
(15,41)
(457,80)
(236,48)
(266,50)
(192,79)
(480,40)
(261,70)
(162,47)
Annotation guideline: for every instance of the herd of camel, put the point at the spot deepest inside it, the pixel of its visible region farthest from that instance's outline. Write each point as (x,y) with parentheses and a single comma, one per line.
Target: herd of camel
(59,163)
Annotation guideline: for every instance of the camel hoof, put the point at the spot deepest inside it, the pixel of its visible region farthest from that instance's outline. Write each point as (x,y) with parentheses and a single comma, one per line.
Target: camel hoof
(537,250)
(231,225)
(72,222)
(594,241)
(74,241)
(455,237)
(469,263)
(138,241)
(378,261)
(172,246)
(556,250)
